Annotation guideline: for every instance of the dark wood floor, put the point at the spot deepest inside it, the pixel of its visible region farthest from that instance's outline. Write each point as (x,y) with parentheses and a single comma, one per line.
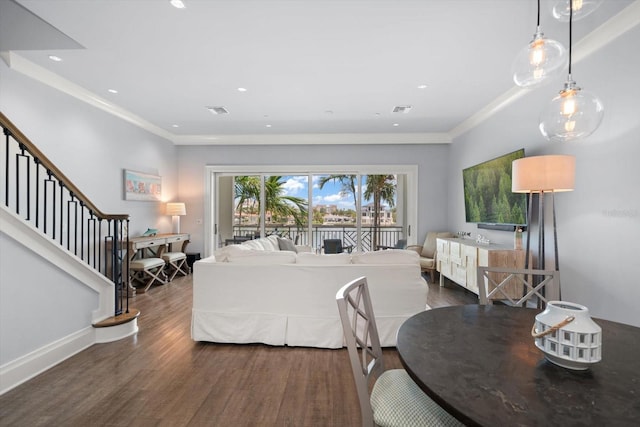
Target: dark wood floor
(160,377)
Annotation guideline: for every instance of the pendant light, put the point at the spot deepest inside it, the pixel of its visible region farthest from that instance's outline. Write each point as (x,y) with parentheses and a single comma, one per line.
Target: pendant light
(541,59)
(574,113)
(581,8)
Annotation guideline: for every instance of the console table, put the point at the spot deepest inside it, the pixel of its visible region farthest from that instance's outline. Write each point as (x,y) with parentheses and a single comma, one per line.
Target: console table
(458,260)
(145,245)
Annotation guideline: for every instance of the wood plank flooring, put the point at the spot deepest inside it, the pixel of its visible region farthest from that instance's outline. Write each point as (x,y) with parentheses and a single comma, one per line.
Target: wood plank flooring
(160,377)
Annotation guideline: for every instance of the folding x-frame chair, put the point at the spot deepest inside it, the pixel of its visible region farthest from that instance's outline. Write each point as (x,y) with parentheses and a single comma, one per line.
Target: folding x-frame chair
(176,262)
(147,271)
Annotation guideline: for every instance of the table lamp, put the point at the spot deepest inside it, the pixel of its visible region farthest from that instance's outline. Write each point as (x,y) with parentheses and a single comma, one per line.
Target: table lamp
(176,210)
(541,175)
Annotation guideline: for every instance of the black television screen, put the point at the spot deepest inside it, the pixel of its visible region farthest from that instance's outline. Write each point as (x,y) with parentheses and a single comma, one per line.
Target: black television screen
(488,199)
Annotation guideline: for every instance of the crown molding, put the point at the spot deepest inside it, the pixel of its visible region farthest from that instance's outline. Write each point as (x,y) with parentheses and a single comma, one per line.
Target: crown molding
(316,139)
(41,74)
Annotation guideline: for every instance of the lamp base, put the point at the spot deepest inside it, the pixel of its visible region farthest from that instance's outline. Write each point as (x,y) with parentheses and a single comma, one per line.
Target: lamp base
(175,221)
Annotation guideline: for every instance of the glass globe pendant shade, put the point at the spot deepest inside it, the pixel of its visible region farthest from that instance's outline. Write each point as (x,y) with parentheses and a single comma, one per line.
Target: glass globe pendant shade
(581,8)
(573,114)
(539,61)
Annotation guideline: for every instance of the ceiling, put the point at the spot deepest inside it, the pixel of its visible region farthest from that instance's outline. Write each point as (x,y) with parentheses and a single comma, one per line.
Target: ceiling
(309,67)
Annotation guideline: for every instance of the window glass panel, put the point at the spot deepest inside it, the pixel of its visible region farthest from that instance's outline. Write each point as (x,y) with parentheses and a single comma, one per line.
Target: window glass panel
(379,213)
(286,206)
(246,218)
(334,209)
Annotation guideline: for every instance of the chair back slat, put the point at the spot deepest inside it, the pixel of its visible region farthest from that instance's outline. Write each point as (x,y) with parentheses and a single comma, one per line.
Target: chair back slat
(362,340)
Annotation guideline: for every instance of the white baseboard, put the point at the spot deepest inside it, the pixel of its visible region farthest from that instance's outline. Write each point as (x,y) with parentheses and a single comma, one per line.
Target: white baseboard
(28,366)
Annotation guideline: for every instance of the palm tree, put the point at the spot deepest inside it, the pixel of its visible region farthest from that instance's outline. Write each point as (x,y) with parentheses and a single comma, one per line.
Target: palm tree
(381,188)
(282,206)
(347,184)
(247,189)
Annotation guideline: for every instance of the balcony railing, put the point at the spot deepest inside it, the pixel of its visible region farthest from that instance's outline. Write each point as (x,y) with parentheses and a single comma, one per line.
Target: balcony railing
(386,235)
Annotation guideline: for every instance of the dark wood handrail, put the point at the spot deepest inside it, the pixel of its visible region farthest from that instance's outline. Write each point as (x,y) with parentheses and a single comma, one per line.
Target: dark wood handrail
(44,161)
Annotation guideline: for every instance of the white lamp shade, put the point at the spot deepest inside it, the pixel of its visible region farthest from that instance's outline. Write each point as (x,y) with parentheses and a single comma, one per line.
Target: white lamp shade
(543,173)
(176,209)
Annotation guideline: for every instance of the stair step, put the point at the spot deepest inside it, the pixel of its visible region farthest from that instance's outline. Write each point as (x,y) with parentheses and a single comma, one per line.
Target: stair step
(118,320)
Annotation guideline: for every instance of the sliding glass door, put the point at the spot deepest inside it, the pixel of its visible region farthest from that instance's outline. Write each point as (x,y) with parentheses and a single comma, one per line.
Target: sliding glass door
(366,211)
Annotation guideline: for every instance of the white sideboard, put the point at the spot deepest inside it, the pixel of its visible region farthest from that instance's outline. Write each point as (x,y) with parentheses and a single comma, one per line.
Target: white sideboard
(458,260)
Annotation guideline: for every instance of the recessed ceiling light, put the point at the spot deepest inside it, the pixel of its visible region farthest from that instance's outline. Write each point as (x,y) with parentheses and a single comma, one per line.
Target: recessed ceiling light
(178,4)
(267,126)
(112,90)
(396,124)
(422,87)
(55,58)
(242,89)
(175,126)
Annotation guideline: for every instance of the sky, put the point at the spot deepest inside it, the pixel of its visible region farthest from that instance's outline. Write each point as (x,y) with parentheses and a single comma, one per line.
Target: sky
(329,195)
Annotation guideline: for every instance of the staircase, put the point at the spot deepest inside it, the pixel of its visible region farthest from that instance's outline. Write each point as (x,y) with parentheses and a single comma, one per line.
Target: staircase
(52,223)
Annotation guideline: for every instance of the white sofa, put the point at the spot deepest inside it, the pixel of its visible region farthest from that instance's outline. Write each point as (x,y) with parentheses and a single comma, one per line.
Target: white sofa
(275,297)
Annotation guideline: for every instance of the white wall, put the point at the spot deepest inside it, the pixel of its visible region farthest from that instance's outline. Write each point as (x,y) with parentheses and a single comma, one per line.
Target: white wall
(431,161)
(599,222)
(31,316)
(39,303)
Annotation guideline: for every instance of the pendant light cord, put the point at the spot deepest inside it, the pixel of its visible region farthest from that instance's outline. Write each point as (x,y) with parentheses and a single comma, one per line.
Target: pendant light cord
(538,24)
(570,32)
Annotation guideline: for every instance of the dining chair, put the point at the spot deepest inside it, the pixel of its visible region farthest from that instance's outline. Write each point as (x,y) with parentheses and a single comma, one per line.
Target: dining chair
(395,400)
(514,286)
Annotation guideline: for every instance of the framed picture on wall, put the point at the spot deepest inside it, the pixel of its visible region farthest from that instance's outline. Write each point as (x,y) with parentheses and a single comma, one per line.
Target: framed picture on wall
(142,186)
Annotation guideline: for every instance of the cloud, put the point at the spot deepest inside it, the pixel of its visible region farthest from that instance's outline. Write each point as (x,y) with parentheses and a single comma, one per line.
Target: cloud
(333,198)
(293,185)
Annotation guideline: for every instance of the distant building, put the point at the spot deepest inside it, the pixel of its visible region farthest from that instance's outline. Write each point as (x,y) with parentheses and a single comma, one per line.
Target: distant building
(386,215)
(330,209)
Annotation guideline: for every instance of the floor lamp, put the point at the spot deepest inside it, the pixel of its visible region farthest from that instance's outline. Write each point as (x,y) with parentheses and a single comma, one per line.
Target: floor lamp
(176,210)
(542,175)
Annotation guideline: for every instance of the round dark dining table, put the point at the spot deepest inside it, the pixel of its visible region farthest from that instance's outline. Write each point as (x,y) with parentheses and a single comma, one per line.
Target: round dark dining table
(481,365)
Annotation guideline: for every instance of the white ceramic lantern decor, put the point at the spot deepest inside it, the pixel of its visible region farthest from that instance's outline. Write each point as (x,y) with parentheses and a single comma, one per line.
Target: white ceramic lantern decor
(567,335)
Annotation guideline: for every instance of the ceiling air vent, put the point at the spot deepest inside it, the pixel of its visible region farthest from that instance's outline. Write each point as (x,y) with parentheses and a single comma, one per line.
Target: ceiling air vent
(217,110)
(402,109)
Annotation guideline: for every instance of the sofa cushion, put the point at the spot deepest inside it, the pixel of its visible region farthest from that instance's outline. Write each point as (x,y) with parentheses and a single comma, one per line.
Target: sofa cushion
(222,254)
(309,258)
(252,244)
(286,245)
(262,257)
(389,256)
